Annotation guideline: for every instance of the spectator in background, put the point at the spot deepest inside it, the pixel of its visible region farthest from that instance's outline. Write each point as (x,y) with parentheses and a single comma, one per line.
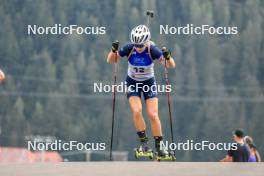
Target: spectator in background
(241,153)
(254,154)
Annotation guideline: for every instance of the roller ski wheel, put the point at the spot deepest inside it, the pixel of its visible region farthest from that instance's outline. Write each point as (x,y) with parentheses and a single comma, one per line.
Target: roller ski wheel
(143,153)
(165,156)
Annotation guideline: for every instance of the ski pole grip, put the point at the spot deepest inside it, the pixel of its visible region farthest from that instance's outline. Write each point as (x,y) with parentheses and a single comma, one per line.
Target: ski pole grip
(115,46)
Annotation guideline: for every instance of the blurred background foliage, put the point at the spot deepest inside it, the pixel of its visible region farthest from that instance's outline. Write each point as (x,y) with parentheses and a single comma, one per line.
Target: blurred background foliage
(217,86)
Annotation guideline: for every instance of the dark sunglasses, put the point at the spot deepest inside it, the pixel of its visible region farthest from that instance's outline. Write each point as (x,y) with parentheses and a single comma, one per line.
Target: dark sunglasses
(139,45)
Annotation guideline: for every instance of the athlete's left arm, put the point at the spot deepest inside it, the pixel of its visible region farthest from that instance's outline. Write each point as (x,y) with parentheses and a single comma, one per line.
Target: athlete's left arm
(164,55)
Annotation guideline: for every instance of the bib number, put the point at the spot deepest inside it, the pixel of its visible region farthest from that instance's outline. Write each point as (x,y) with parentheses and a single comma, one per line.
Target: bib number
(139,69)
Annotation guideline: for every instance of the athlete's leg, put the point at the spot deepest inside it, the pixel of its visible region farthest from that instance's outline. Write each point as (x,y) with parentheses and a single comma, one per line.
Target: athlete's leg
(136,109)
(152,111)
(134,98)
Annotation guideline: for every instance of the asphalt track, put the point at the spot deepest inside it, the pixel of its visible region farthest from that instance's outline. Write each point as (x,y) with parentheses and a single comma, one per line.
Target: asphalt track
(132,169)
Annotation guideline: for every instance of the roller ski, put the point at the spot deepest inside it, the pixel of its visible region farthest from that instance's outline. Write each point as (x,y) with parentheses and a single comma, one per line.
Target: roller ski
(143,151)
(163,155)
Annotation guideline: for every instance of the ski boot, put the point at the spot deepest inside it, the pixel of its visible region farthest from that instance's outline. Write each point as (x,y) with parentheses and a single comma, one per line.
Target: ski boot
(143,151)
(163,155)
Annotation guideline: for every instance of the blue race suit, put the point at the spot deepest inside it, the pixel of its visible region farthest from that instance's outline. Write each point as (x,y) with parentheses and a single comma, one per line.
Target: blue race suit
(140,74)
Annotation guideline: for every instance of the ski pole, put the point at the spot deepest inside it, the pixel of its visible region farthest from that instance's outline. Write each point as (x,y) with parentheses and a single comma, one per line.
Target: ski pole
(113,108)
(169,101)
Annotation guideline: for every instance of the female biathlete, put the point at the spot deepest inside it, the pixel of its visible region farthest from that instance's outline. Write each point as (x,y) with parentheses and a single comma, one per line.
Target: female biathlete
(141,53)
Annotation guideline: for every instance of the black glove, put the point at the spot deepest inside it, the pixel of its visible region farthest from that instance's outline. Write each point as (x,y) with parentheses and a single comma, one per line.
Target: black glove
(166,53)
(115,46)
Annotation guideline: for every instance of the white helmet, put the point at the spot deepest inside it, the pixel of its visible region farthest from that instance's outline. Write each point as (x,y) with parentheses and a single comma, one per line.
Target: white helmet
(140,34)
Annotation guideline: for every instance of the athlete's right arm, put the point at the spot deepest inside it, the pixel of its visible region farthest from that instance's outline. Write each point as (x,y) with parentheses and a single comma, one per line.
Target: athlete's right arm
(113,55)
